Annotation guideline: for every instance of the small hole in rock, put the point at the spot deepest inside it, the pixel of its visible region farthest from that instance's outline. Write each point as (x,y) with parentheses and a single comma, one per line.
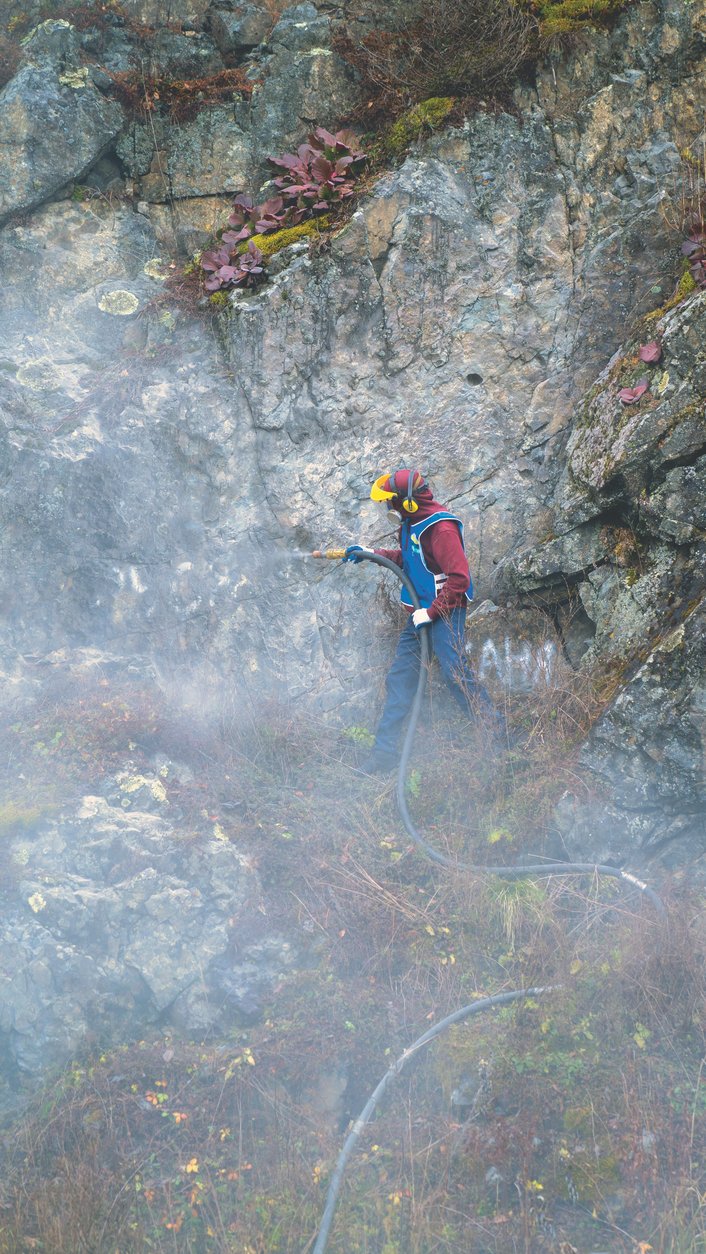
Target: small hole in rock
(475,379)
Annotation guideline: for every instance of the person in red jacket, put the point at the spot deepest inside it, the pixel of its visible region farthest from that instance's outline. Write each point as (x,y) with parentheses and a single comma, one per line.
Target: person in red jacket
(431,554)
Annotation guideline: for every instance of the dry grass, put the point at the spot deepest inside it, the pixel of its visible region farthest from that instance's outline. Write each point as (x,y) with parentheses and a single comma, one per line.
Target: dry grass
(387,946)
(683,203)
(447,48)
(180,100)
(274,8)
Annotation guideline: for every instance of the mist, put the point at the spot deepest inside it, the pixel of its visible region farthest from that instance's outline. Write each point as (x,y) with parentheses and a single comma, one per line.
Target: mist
(254,996)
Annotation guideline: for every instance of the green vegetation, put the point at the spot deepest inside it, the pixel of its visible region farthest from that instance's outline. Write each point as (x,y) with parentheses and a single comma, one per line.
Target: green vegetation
(316,182)
(562,18)
(16,817)
(686,285)
(418,121)
(277,240)
(360,736)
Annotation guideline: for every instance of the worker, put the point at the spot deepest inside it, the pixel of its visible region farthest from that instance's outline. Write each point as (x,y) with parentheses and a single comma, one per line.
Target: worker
(431,554)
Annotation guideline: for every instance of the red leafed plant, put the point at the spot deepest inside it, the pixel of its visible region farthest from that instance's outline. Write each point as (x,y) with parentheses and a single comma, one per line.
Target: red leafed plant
(242,270)
(320,175)
(248,218)
(651,352)
(629,395)
(322,172)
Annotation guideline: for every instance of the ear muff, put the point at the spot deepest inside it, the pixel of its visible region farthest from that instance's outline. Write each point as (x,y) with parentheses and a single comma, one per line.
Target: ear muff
(415,483)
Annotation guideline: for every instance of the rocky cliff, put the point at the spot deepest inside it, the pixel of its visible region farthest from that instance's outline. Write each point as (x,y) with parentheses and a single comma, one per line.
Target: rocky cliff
(479,314)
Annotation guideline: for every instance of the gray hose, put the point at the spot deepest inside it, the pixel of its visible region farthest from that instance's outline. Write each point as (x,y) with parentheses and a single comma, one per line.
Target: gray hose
(434,855)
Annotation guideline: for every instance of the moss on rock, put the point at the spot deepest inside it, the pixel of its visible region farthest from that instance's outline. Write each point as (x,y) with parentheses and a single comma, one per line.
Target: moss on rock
(119,302)
(569,16)
(274,241)
(427,116)
(685,286)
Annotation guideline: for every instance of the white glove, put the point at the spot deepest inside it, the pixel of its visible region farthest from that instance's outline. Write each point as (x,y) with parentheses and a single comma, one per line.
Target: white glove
(420,617)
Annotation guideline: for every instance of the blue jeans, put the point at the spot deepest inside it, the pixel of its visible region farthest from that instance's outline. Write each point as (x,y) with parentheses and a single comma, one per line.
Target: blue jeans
(447,642)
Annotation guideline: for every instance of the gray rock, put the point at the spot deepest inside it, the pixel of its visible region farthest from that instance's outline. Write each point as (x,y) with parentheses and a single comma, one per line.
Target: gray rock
(117,920)
(240,29)
(575,553)
(304,82)
(211,155)
(55,124)
(136,148)
(165,53)
(105,177)
(190,13)
(172,55)
(615,446)
(677,508)
(301,28)
(225,148)
(157,479)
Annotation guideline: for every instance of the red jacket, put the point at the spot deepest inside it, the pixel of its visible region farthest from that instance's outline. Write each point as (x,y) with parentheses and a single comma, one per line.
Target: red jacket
(443,553)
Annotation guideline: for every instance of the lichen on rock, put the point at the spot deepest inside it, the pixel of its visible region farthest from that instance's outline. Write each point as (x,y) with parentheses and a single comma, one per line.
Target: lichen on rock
(75,78)
(119,302)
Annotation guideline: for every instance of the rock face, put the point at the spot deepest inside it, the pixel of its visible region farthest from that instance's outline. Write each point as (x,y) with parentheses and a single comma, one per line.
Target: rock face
(116,920)
(55,124)
(642,585)
(646,754)
(240,29)
(297,80)
(162,472)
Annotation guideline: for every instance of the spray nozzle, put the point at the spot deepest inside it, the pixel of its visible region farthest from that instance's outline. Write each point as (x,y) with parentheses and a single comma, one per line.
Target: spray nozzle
(333,555)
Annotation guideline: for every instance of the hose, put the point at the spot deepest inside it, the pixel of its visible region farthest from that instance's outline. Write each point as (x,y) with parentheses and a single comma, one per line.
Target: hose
(476,1007)
(434,855)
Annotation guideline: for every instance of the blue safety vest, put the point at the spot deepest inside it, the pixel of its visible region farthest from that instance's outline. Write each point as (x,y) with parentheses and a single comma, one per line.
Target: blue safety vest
(426,583)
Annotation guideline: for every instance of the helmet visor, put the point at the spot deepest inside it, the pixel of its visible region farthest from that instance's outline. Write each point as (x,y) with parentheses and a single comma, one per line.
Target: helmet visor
(383,489)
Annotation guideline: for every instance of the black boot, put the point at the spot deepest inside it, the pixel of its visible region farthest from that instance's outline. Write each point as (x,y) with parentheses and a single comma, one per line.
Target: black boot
(378,762)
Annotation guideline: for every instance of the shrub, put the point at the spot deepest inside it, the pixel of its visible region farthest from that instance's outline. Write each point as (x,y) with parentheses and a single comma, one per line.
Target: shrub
(322,173)
(316,179)
(465,48)
(243,270)
(449,48)
(318,176)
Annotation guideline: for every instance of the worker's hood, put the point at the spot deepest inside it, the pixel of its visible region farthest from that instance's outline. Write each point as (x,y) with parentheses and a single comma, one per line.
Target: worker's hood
(426,505)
